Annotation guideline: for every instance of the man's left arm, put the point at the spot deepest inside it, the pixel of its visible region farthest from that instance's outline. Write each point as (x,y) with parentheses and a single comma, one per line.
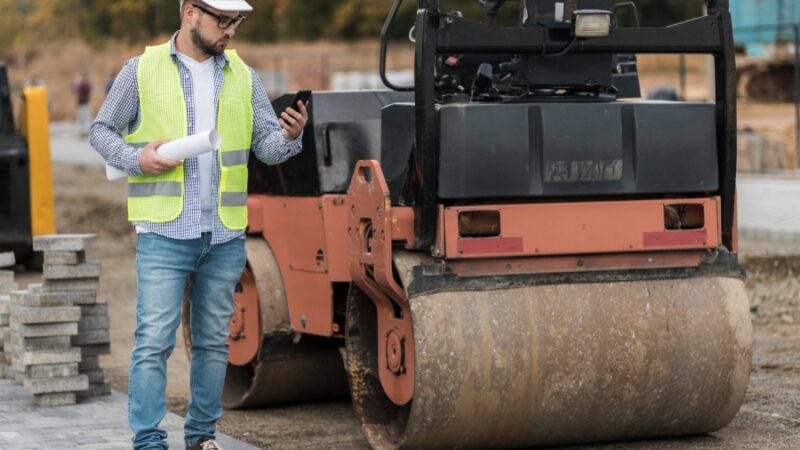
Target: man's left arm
(269,143)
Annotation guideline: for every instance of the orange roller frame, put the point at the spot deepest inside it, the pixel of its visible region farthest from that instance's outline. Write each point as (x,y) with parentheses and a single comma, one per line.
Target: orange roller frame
(582,228)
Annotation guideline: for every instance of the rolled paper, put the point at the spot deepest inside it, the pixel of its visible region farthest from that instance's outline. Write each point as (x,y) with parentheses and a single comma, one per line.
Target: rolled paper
(179,150)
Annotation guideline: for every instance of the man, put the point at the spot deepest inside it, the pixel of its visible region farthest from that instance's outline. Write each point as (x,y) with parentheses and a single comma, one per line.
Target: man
(82,88)
(190,217)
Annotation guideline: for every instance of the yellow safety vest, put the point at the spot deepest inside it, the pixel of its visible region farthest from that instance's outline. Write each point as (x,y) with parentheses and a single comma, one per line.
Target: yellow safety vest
(162,107)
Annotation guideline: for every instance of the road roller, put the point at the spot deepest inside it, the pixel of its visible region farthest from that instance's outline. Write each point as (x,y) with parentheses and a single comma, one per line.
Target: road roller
(517,251)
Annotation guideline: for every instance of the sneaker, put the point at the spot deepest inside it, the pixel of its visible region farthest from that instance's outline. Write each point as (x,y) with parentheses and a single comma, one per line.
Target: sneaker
(206,443)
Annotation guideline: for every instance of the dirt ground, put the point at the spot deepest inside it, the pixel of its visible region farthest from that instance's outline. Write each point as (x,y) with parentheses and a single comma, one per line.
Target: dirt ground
(770,418)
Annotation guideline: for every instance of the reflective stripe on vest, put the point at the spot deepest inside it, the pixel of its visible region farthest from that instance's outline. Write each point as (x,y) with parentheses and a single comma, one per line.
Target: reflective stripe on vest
(234,199)
(163,113)
(166,189)
(235,157)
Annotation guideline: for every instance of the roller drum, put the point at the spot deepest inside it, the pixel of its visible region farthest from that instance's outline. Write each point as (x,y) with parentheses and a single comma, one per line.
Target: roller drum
(292,377)
(286,369)
(563,364)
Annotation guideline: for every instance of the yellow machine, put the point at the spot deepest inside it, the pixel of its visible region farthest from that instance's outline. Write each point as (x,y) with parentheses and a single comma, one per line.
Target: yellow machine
(27,207)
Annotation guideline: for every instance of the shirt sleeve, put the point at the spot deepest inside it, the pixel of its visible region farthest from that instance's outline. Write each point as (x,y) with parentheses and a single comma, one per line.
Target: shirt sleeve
(269,144)
(118,115)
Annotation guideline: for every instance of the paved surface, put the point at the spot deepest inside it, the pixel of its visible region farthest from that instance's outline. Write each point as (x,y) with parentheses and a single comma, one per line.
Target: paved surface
(99,423)
(67,145)
(769,207)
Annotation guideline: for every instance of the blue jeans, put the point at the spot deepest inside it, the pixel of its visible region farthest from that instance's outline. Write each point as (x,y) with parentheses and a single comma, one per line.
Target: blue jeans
(163,266)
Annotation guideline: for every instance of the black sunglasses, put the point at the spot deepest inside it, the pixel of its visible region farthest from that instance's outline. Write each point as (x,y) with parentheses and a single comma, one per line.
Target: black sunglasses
(223,22)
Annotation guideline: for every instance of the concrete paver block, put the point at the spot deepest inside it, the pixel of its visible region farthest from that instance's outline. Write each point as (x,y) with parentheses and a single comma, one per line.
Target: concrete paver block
(93,323)
(55,399)
(60,384)
(91,337)
(5,301)
(55,314)
(65,257)
(76,284)
(95,376)
(52,370)
(95,390)
(5,320)
(95,350)
(36,297)
(80,298)
(39,299)
(98,309)
(72,355)
(89,363)
(62,272)
(41,343)
(7,288)
(13,350)
(7,259)
(63,242)
(48,329)
(7,283)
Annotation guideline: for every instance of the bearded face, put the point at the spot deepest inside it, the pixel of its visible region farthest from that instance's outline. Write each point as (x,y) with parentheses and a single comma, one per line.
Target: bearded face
(209,46)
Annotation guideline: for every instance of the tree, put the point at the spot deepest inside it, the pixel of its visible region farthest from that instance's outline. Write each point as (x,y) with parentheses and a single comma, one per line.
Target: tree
(303,20)
(28,22)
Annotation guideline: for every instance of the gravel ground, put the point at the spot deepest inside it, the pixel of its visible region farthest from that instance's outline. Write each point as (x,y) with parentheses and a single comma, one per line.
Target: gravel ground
(770,418)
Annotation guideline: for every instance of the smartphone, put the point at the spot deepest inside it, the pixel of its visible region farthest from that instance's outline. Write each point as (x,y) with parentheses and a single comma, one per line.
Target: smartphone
(301,96)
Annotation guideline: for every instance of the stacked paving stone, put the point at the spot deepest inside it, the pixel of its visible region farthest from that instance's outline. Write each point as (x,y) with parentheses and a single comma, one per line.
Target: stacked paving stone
(7,285)
(67,273)
(44,359)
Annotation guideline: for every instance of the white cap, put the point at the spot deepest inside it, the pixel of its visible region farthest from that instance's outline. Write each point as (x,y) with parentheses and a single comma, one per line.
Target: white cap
(229,5)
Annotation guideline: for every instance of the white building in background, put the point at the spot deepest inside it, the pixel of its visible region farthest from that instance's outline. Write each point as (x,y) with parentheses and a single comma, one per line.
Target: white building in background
(358,81)
(275,83)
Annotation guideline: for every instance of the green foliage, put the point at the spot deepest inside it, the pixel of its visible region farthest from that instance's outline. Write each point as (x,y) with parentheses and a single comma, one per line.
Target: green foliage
(26,22)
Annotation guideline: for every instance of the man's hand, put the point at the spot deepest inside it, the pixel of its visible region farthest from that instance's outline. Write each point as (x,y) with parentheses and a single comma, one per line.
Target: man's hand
(293,121)
(152,163)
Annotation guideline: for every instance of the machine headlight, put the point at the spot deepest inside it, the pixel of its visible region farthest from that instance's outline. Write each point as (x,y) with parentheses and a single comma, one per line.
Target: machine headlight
(591,23)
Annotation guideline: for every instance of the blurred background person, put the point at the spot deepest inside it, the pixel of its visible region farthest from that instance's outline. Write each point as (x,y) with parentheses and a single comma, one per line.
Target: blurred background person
(82,89)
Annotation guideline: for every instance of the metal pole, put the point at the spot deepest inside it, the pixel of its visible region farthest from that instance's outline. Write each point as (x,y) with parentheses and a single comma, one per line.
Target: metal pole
(796,29)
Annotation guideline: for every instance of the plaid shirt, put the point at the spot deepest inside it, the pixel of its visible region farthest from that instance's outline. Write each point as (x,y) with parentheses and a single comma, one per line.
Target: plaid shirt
(120,113)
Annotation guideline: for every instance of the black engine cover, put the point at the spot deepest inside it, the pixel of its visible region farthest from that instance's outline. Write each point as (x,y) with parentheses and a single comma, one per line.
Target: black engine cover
(571,149)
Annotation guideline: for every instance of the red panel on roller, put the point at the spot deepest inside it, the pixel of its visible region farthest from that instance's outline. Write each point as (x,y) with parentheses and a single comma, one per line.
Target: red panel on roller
(487,246)
(676,238)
